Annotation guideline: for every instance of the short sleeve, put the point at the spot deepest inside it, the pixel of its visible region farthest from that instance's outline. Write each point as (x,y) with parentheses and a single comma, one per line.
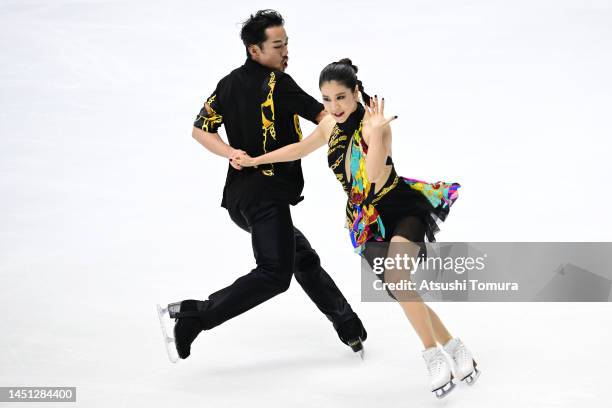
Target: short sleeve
(295,100)
(210,117)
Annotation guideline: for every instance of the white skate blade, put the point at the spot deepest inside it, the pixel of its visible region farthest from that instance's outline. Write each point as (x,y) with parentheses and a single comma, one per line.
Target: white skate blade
(361,350)
(164,322)
(444,390)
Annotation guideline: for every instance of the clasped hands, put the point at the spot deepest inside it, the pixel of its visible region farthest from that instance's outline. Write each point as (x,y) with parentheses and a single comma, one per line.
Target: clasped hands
(239,159)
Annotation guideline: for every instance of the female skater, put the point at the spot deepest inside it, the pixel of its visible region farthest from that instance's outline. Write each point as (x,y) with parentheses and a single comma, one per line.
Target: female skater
(382,206)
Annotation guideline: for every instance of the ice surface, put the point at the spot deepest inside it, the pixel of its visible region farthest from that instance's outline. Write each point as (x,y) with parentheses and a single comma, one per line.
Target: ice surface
(108,206)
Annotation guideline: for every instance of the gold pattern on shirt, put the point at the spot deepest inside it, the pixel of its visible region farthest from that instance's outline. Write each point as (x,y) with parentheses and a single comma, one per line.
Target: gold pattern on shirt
(267,121)
(296,124)
(212,118)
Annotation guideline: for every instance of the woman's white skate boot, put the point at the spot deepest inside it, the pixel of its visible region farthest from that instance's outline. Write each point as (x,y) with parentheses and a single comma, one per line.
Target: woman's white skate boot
(440,375)
(464,365)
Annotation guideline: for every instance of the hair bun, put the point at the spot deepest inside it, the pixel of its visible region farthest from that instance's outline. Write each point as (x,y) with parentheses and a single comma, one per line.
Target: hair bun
(347,61)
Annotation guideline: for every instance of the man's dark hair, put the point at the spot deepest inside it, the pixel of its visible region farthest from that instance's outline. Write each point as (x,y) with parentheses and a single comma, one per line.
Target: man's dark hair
(254,28)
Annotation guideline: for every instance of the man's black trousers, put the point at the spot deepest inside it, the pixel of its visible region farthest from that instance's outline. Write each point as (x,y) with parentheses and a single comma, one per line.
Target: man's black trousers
(281,251)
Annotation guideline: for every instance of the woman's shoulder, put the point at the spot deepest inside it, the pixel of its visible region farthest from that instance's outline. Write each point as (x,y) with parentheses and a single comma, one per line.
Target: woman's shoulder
(326,125)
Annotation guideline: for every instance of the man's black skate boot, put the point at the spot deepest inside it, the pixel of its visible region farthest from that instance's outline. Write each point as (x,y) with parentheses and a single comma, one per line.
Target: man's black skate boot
(353,334)
(188,324)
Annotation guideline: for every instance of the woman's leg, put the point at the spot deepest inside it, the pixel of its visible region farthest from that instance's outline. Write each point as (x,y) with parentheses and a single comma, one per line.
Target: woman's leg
(442,334)
(413,305)
(408,231)
(410,301)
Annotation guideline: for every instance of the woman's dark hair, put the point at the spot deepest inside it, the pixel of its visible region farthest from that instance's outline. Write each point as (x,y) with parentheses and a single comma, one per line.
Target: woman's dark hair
(345,72)
(254,28)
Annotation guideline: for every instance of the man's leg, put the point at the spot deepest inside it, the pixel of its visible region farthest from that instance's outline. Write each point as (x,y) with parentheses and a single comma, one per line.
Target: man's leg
(322,290)
(274,249)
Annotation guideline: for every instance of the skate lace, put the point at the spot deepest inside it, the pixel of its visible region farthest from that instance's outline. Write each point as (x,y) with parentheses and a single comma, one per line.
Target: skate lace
(461,355)
(435,365)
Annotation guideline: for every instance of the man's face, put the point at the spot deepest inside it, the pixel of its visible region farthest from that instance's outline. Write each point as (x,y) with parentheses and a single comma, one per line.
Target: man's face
(274,52)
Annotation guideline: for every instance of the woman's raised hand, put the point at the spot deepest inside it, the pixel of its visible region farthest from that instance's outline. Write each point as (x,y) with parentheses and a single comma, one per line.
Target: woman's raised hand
(376,109)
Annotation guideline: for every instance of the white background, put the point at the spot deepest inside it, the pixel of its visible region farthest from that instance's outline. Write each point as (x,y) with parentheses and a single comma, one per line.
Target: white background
(108,206)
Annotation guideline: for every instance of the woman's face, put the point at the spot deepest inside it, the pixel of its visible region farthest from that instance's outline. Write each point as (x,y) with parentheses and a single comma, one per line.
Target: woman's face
(339,100)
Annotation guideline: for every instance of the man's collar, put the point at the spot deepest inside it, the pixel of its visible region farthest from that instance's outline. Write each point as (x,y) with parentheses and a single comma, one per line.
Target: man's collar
(252,65)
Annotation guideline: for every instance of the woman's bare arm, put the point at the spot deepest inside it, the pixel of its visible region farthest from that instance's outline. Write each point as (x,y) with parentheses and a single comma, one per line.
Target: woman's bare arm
(293,151)
(378,137)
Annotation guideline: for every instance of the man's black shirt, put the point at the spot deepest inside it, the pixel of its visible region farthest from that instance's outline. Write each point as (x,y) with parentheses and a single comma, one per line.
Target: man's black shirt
(259,108)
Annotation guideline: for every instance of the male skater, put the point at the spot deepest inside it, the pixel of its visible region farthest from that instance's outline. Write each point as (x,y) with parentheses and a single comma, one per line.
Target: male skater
(259,105)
